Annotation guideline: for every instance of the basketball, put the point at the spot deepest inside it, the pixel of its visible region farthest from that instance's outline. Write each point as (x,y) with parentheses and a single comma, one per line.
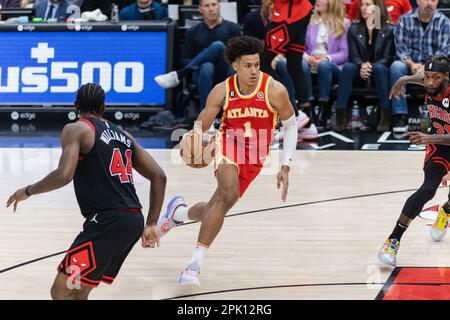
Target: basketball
(197,150)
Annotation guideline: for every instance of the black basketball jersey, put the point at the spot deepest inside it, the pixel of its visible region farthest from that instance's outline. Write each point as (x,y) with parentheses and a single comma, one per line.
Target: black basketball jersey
(104,177)
(439,112)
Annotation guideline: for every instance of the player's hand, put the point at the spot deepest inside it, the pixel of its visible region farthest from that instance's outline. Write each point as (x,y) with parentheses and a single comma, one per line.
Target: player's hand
(398,89)
(445,179)
(16,197)
(150,236)
(275,61)
(283,179)
(420,138)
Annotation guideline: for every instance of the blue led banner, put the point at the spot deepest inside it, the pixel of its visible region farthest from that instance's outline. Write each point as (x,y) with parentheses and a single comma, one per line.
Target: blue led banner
(49,67)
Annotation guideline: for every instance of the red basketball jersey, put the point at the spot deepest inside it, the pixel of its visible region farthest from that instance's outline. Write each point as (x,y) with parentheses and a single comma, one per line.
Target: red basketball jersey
(247,125)
(290,11)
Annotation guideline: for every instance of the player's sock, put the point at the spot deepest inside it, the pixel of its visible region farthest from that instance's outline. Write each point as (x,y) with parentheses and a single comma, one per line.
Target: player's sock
(199,253)
(446,207)
(181,214)
(398,231)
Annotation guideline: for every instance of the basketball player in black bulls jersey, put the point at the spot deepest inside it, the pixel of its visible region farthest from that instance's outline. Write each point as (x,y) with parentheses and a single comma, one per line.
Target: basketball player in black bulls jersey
(437,157)
(99,157)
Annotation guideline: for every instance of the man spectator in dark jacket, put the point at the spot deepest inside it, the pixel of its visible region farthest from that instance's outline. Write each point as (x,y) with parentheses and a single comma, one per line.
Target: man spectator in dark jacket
(52,9)
(202,53)
(143,10)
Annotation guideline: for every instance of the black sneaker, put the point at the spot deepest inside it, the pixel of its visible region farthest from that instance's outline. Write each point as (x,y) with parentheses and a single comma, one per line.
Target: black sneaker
(400,123)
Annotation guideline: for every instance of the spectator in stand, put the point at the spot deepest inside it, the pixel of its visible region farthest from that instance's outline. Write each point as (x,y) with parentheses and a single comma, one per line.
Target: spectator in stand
(143,10)
(255,24)
(396,9)
(286,38)
(418,35)
(10,3)
(202,53)
(371,53)
(326,52)
(52,9)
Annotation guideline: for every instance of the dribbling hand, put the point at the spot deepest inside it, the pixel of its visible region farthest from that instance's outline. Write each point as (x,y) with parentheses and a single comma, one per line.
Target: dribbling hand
(16,197)
(150,236)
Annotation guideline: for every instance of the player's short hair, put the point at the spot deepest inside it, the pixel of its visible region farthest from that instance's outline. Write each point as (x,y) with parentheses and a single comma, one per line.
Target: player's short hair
(90,98)
(241,46)
(438,63)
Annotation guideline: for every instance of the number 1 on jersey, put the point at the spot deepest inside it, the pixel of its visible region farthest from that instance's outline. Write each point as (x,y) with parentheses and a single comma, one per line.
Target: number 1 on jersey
(117,167)
(248,129)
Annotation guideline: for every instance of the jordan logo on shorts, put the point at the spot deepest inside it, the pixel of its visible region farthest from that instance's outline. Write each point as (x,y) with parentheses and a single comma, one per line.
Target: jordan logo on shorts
(93,219)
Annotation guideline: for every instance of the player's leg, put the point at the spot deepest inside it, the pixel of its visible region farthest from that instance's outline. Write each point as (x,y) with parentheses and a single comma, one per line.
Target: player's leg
(413,205)
(227,195)
(64,289)
(198,211)
(178,213)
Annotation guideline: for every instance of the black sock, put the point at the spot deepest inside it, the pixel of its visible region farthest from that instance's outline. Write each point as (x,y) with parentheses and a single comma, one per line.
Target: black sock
(308,112)
(446,207)
(398,231)
(183,72)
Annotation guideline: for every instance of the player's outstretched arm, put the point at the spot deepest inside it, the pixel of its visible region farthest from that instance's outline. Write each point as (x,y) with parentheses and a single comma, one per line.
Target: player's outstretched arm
(144,163)
(279,100)
(71,137)
(398,89)
(214,103)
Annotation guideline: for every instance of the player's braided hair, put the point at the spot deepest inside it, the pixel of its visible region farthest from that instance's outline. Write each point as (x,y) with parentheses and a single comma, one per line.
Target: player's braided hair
(240,46)
(90,99)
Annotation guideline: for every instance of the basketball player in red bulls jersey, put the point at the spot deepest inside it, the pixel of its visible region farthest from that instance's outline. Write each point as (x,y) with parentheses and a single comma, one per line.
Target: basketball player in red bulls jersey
(251,102)
(437,156)
(99,157)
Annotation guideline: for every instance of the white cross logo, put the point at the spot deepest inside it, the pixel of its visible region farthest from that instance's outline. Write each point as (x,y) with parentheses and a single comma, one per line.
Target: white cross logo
(42,52)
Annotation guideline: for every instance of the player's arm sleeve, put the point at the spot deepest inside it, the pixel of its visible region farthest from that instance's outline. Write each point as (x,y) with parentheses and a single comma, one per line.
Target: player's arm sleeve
(289,140)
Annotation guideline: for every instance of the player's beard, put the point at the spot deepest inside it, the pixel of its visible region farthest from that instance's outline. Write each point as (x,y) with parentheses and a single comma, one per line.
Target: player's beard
(437,91)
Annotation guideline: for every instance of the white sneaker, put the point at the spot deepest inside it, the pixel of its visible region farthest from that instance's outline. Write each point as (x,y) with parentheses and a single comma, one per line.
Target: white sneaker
(303,134)
(191,275)
(308,133)
(166,222)
(388,253)
(168,80)
(440,226)
(302,120)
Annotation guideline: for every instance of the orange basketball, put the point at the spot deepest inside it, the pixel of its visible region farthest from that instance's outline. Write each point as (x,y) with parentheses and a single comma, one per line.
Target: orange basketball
(197,150)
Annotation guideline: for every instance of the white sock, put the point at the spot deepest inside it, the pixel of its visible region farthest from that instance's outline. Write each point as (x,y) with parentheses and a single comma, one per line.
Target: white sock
(181,214)
(198,255)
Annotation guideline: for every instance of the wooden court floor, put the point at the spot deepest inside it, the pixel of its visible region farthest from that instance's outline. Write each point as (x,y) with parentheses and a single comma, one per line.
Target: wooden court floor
(321,244)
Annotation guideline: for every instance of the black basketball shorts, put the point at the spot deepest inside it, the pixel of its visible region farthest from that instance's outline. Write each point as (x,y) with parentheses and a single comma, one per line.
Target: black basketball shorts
(98,252)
